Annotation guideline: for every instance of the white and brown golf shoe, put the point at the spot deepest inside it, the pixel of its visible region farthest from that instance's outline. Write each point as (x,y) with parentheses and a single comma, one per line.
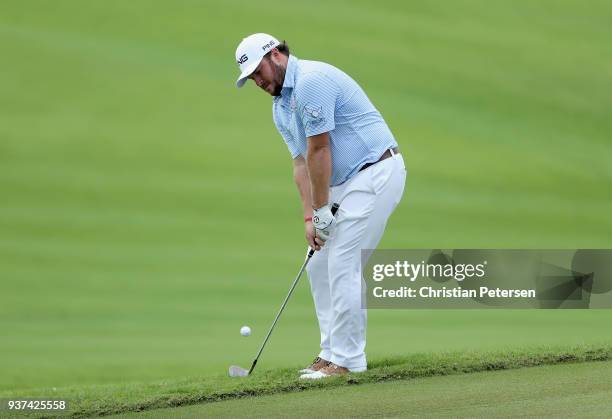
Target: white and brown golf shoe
(316,365)
(331,370)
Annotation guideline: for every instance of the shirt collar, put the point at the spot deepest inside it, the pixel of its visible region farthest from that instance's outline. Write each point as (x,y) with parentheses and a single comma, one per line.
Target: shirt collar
(292,64)
(289,82)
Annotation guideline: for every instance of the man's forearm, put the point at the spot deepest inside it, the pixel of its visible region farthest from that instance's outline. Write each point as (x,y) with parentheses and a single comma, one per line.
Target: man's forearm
(302,181)
(319,168)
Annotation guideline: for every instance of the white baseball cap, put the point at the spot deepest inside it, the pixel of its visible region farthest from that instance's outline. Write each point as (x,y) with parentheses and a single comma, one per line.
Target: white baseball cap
(250,52)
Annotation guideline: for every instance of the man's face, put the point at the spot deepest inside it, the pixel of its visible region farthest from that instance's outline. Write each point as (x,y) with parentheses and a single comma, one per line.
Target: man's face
(269,76)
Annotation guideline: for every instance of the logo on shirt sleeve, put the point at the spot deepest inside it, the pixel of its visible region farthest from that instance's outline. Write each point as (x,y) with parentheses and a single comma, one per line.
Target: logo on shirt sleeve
(313,116)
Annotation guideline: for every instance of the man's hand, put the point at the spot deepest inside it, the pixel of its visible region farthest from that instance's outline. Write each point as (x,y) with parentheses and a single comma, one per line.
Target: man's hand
(314,242)
(324,222)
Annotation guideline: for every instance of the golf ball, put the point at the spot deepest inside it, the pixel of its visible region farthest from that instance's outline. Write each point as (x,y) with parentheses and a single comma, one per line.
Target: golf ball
(245,331)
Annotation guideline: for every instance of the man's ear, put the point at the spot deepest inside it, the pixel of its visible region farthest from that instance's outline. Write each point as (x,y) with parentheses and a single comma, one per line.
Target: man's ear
(275,55)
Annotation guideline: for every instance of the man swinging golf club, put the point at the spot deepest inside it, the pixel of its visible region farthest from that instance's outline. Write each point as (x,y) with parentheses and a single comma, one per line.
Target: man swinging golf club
(343,151)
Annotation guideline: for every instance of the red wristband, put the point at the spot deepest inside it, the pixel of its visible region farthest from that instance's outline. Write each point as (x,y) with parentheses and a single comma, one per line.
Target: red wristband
(306,219)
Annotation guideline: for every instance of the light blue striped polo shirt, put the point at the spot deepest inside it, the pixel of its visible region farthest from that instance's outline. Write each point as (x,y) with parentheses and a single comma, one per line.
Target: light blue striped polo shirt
(317,97)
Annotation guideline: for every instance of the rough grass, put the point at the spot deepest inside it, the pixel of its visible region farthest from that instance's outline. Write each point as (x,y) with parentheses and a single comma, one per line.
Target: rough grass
(115,399)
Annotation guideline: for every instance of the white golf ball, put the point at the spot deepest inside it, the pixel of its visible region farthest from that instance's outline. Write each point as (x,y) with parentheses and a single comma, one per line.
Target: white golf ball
(245,331)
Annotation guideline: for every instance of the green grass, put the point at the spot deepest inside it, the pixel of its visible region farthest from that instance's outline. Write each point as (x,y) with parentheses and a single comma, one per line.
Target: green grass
(88,401)
(147,208)
(568,390)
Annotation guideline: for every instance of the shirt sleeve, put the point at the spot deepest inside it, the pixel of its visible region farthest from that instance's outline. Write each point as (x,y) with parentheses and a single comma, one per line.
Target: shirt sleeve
(287,137)
(316,96)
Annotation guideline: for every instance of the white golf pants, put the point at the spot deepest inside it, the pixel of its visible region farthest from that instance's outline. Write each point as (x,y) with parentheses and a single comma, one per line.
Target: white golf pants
(366,202)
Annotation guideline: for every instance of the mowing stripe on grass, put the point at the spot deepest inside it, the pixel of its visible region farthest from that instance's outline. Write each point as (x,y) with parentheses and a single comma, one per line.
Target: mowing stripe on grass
(106,400)
(545,391)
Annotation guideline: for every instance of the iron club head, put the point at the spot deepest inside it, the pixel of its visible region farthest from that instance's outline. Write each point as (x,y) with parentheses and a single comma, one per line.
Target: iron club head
(235,371)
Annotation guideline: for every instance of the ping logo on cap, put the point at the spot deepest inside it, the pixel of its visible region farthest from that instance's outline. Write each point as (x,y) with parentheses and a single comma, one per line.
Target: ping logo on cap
(243,59)
(268,45)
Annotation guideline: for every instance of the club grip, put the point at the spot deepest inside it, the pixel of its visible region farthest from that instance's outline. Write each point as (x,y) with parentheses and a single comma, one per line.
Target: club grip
(334,209)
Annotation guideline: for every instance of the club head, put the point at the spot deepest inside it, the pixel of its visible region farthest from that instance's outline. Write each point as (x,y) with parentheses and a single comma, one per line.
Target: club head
(235,371)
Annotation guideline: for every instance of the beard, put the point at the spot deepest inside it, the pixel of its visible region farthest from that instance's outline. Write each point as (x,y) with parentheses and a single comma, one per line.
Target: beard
(279,78)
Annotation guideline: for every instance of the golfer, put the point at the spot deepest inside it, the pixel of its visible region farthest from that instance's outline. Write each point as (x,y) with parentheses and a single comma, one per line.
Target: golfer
(343,152)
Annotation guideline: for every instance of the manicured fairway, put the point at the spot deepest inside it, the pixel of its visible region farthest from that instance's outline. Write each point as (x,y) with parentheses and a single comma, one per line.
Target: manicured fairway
(571,390)
(147,209)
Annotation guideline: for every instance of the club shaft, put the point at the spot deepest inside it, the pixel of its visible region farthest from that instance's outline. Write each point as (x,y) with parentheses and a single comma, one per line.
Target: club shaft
(295,282)
(309,255)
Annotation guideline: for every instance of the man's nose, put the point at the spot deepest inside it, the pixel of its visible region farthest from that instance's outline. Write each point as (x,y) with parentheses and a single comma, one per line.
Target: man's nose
(258,81)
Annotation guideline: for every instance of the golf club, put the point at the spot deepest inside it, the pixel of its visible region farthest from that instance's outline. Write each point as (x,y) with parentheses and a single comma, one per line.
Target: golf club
(235,371)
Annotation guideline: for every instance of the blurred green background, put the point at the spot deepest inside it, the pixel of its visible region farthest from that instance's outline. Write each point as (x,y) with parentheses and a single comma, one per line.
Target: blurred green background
(147,209)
